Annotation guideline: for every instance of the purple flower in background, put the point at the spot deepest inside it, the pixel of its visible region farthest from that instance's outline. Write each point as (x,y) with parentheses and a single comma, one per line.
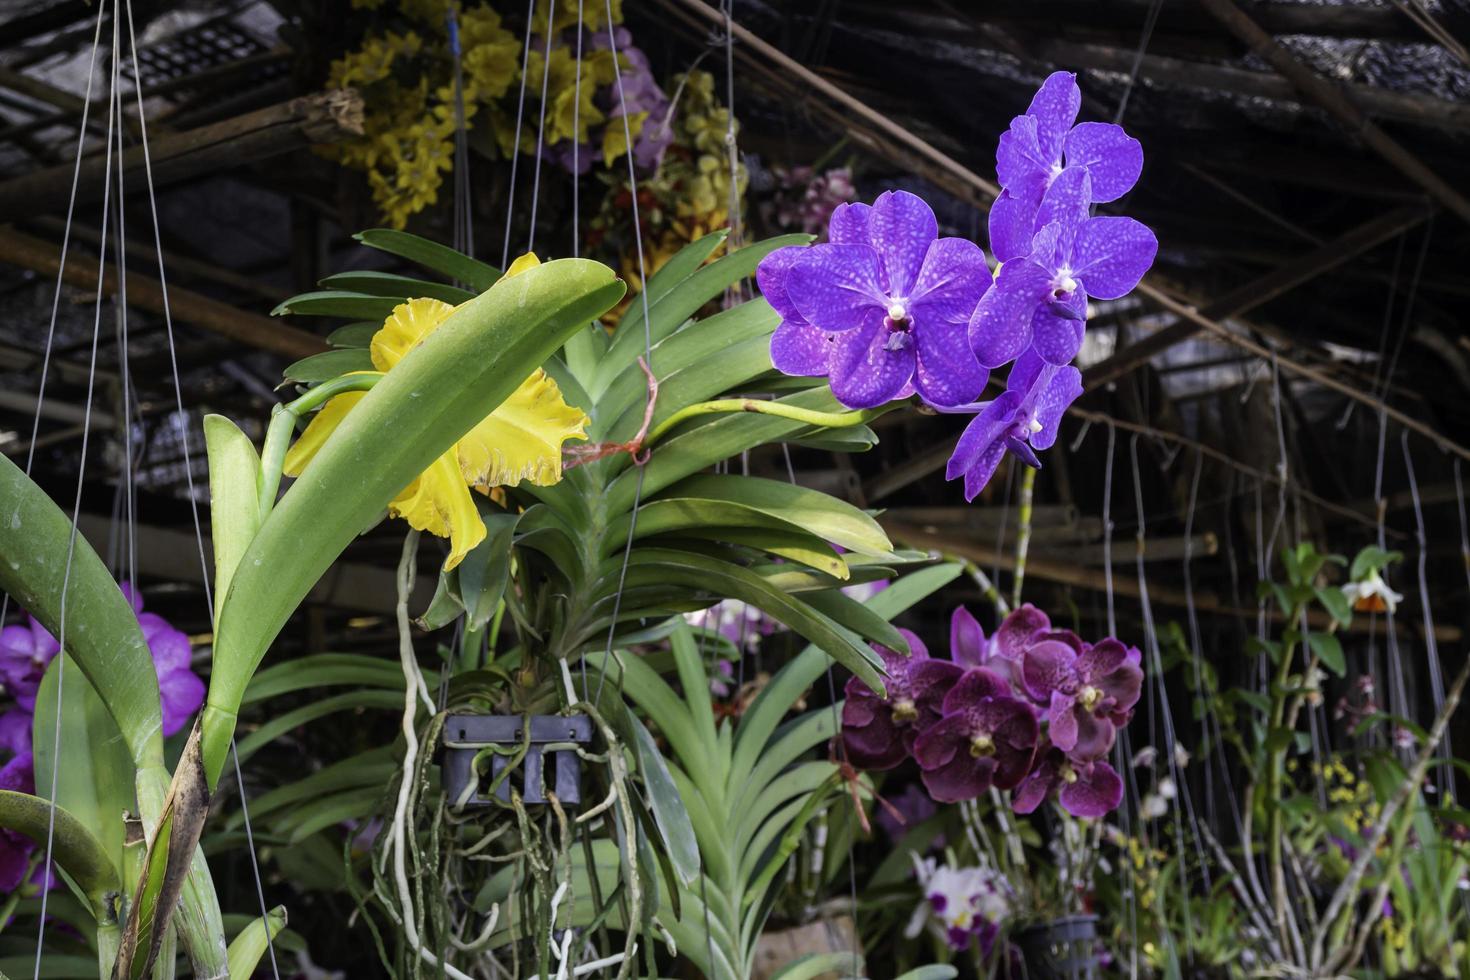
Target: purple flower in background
(19,776)
(25,651)
(1090,789)
(180,690)
(906,811)
(1040,300)
(879,733)
(1002,652)
(986,738)
(896,297)
(965,903)
(1025,417)
(1040,146)
(640,92)
(1084,692)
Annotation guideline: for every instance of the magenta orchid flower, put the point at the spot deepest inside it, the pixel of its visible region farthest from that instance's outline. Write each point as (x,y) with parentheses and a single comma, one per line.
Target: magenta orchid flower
(18,776)
(180,690)
(894,295)
(1024,418)
(1087,690)
(986,738)
(25,652)
(1087,790)
(879,733)
(1001,653)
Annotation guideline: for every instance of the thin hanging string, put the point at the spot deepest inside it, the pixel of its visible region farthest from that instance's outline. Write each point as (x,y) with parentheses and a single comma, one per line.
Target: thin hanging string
(1107,527)
(1159,694)
(463,231)
(1148,32)
(71,204)
(1282,469)
(612,626)
(1378,363)
(1005,519)
(1196,651)
(577,165)
(515,152)
(120,304)
(183,423)
(1436,677)
(541,125)
(71,543)
(727,8)
(1406,326)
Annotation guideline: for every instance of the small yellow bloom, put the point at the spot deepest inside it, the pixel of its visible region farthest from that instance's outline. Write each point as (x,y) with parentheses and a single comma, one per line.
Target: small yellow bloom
(520,440)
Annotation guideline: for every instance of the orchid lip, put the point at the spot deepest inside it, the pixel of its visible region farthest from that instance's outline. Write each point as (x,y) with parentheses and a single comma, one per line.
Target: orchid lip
(905,711)
(982,746)
(1068,774)
(1089,697)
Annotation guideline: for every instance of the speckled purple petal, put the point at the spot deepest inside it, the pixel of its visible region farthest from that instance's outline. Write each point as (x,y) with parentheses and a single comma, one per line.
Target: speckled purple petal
(966,638)
(938,744)
(849,224)
(1014,633)
(1055,107)
(1061,717)
(1013,220)
(18,775)
(977,684)
(951,281)
(876,745)
(901,227)
(1048,666)
(15,731)
(181,694)
(834,286)
(1066,200)
(1057,339)
(771,275)
(1112,158)
(1019,157)
(929,683)
(983,432)
(800,349)
(1094,736)
(1113,254)
(864,372)
(1037,786)
(1000,330)
(1108,668)
(977,477)
(1094,794)
(1101,659)
(946,371)
(962,778)
(1058,395)
(860,705)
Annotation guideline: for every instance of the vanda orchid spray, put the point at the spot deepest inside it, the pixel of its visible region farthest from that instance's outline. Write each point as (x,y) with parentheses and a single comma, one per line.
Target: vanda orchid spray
(888,308)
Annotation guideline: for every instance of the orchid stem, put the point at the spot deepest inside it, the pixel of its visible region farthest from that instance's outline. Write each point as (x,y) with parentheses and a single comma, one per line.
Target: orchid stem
(987,588)
(1023,531)
(829,420)
(283,424)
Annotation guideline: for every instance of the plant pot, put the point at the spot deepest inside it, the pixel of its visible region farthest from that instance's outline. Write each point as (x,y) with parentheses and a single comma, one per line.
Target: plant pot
(465,736)
(1062,949)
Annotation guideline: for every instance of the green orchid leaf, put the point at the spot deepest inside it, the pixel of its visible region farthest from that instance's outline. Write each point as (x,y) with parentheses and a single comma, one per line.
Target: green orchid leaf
(401,288)
(486,569)
(338,302)
(358,334)
(101,632)
(668,809)
(81,855)
(813,965)
(815,512)
(431,255)
(234,501)
(324,670)
(250,945)
(328,365)
(445,386)
(289,721)
(1328,649)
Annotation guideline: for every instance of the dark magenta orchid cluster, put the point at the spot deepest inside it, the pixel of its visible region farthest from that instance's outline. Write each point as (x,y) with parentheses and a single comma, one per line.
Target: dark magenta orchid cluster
(1031,709)
(887,309)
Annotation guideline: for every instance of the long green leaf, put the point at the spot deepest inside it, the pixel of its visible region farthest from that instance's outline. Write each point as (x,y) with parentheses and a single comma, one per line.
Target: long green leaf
(234,501)
(396,286)
(432,256)
(668,809)
(102,632)
(324,670)
(811,510)
(250,945)
(80,854)
(445,386)
(338,302)
(328,365)
(281,724)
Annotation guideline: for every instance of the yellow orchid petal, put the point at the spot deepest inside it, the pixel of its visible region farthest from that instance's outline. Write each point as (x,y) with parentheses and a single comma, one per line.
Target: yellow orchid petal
(322,425)
(521,440)
(406,328)
(527,261)
(439,502)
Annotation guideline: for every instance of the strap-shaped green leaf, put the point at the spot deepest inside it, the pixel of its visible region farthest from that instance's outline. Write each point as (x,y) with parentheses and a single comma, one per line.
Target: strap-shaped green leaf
(73,847)
(338,302)
(398,287)
(102,632)
(250,945)
(359,334)
(432,256)
(445,386)
(811,510)
(328,365)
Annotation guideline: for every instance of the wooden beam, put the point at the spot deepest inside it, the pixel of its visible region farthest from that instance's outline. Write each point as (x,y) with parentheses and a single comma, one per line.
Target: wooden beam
(1338,102)
(323,118)
(185,306)
(1245,298)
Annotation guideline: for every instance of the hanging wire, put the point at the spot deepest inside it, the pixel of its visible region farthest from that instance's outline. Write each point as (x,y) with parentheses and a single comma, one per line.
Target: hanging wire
(1148,32)
(1196,650)
(183,422)
(541,124)
(463,224)
(515,153)
(71,542)
(1436,676)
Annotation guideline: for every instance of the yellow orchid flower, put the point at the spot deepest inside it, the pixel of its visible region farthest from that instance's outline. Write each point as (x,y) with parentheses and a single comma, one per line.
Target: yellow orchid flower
(520,440)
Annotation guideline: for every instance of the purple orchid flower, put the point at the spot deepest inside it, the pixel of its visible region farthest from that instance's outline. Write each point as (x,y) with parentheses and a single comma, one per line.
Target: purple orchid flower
(1001,653)
(1025,417)
(180,690)
(1087,790)
(25,652)
(1042,144)
(879,733)
(19,776)
(1085,691)
(895,294)
(986,738)
(1040,300)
